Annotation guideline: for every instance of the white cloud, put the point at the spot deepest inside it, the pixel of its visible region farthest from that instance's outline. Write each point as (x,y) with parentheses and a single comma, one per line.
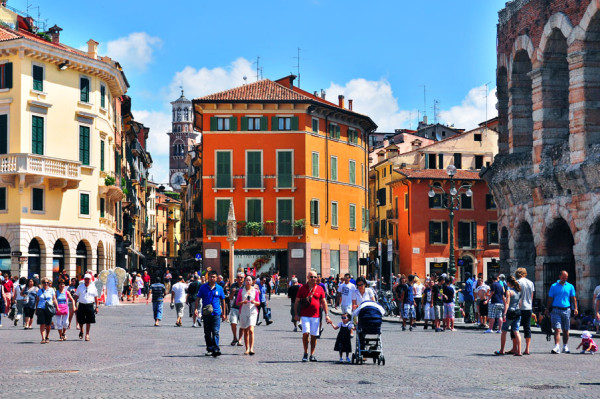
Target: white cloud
(135,51)
(158,141)
(376,99)
(204,81)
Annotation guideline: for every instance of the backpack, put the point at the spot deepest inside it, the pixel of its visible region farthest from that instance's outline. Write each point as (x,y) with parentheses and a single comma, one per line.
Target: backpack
(546,327)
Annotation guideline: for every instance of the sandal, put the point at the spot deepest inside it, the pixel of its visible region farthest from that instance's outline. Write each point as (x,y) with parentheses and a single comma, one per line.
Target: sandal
(87,337)
(517,354)
(81,335)
(510,352)
(43,341)
(498,353)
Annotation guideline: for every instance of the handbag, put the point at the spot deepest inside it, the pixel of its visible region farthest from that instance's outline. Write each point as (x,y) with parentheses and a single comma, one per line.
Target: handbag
(305,302)
(513,314)
(207,310)
(50,309)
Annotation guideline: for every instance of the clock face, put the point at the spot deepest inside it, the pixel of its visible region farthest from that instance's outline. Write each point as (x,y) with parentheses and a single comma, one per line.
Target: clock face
(177,180)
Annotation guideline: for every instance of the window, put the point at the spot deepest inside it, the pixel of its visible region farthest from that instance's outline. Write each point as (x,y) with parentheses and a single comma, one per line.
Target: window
(223,123)
(438,232)
(362,174)
(352,136)
(363,218)
(253,169)
(84,89)
(334,131)
(4,134)
(253,210)
(223,178)
(37,135)
(117,163)
(179,150)
(467,234)
(438,200)
(477,137)
(406,201)
(101,207)
(315,164)
(284,123)
(254,123)
(37,199)
(315,125)
(103,96)
(383,228)
(334,175)
(352,217)
(352,172)
(478,161)
(84,145)
(3,198)
(430,161)
(367,218)
(458,160)
(490,203)
(314,212)
(334,214)
(222,207)
(284,217)
(384,172)
(466,202)
(102,155)
(38,77)
(284,169)
(441,161)
(381,197)
(6,75)
(84,204)
(492,232)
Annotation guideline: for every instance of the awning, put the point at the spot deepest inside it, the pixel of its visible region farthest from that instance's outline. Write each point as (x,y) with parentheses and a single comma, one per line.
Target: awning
(138,253)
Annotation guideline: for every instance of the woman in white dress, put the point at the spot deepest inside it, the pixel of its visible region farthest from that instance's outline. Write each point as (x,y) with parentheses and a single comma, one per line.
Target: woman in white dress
(248,299)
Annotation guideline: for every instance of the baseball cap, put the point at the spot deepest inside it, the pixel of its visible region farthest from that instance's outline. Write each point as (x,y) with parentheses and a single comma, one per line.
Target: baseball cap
(586,335)
(87,275)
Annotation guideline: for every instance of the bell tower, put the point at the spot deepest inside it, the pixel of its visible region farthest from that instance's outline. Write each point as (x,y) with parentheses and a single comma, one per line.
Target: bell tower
(181,139)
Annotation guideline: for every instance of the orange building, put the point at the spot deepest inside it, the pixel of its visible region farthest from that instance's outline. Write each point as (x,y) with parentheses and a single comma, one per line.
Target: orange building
(422,234)
(295,167)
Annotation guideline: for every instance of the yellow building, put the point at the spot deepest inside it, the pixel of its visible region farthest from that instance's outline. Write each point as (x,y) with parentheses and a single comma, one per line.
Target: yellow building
(59,120)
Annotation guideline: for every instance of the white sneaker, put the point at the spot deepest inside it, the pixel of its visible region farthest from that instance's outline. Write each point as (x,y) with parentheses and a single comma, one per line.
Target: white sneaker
(555,350)
(566,349)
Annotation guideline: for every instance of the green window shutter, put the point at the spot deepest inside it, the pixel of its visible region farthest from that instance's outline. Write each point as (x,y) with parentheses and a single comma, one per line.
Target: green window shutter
(334,214)
(101,207)
(445,232)
(315,165)
(431,232)
(84,204)
(38,199)
(3,198)
(253,167)
(352,216)
(223,169)
(333,168)
(254,211)
(84,145)
(244,123)
(38,78)
(37,135)
(284,169)
(315,125)
(221,217)
(103,96)
(264,122)
(294,123)
(233,123)
(284,216)
(102,155)
(337,132)
(213,123)
(274,123)
(352,176)
(4,134)
(84,87)
(8,75)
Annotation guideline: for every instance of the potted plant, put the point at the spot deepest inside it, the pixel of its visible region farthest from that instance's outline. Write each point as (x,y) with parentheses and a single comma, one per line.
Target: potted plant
(209,225)
(241,227)
(254,228)
(298,227)
(109,181)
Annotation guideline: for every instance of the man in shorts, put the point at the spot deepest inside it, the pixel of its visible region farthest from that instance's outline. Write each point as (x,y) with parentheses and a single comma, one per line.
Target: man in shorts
(234,312)
(178,297)
(559,297)
(495,305)
(309,299)
(345,291)
(86,296)
(448,294)
(438,303)
(527,290)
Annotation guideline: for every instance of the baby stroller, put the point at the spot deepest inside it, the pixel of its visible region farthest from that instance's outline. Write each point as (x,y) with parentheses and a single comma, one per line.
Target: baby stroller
(368,336)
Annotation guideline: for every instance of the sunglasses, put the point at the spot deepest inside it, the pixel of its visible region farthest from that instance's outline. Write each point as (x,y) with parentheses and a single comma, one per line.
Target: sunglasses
(312,276)
(360,285)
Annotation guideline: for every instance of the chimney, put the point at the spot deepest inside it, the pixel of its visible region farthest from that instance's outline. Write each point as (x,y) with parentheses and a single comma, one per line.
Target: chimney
(92,49)
(3,3)
(55,34)
(350,104)
(323,94)
(341,101)
(425,119)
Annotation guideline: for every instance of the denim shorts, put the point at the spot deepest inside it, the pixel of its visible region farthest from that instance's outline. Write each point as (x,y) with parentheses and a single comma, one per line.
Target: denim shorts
(561,319)
(512,324)
(408,312)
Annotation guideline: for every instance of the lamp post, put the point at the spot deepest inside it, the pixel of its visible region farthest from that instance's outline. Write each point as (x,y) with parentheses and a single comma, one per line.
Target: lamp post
(452,203)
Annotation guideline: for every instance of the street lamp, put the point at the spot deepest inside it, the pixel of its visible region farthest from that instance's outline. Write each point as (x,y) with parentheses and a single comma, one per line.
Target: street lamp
(452,203)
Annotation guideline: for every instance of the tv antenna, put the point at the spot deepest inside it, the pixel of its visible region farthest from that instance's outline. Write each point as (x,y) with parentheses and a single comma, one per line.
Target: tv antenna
(436,111)
(424,102)
(486,105)
(258,68)
(298,66)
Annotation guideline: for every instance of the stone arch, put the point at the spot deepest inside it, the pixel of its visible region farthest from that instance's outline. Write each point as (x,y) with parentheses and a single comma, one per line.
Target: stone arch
(504,251)
(558,244)
(520,104)
(83,256)
(36,255)
(522,43)
(60,256)
(591,77)
(469,265)
(502,107)
(5,255)
(558,21)
(100,257)
(524,249)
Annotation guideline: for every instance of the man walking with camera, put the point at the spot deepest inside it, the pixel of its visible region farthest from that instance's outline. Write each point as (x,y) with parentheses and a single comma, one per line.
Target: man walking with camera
(213,305)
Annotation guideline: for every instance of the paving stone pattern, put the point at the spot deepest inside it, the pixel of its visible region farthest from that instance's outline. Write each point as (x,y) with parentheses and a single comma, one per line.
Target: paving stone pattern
(128,357)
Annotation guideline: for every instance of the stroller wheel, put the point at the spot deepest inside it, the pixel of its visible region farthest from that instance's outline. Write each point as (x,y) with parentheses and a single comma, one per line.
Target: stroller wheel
(382,360)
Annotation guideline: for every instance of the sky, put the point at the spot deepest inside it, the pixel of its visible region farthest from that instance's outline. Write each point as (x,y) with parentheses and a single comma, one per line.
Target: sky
(394,58)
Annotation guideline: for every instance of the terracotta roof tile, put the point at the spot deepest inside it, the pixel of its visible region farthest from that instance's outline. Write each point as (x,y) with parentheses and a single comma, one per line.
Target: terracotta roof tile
(438,174)
(6,34)
(10,34)
(263,90)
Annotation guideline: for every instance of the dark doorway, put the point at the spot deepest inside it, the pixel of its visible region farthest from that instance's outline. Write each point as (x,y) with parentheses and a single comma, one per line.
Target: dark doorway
(465,264)
(525,249)
(33,259)
(504,266)
(559,254)
(594,251)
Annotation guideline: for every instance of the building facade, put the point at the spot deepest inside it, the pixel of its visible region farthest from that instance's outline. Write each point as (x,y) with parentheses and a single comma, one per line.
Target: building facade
(545,178)
(59,125)
(295,167)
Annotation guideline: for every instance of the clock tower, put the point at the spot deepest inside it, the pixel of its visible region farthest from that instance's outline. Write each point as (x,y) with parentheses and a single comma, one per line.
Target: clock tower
(181,139)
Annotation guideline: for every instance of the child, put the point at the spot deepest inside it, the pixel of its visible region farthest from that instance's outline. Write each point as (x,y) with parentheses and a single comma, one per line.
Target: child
(587,343)
(429,309)
(343,342)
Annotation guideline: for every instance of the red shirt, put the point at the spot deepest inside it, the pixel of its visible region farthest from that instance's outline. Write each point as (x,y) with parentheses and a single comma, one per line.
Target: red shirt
(146,278)
(8,286)
(311,310)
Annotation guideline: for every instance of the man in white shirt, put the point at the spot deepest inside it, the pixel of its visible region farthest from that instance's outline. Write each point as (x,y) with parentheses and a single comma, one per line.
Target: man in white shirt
(178,296)
(345,291)
(527,290)
(86,296)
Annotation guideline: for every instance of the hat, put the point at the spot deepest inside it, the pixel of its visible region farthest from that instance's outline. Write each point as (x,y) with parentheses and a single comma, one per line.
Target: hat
(467,274)
(87,275)
(586,335)
(502,277)
(444,275)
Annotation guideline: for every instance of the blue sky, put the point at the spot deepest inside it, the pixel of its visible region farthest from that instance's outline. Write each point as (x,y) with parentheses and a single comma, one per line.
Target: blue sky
(379,53)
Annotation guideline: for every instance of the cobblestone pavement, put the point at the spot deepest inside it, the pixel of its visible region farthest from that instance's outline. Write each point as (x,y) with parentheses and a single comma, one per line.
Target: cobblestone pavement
(128,357)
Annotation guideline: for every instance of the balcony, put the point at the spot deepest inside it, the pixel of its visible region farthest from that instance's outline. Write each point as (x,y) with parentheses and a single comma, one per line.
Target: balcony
(392,215)
(110,188)
(256,229)
(25,170)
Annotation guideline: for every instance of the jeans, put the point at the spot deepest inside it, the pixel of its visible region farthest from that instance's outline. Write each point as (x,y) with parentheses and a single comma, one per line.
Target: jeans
(157,308)
(263,306)
(418,308)
(212,325)
(469,303)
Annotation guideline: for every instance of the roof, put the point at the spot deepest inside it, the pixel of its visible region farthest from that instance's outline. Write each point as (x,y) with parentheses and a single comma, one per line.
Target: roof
(439,174)
(263,90)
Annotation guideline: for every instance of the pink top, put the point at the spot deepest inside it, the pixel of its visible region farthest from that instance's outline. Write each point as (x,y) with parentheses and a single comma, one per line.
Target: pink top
(240,299)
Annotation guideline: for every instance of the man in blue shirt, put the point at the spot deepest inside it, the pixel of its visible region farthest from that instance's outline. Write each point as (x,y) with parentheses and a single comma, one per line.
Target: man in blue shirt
(157,291)
(262,289)
(213,303)
(467,292)
(559,297)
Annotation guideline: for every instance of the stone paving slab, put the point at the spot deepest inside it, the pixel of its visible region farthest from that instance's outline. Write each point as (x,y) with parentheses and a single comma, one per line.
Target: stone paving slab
(128,357)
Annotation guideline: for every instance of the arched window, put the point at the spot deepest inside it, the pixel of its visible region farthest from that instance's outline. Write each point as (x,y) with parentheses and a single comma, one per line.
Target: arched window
(520,123)
(186,114)
(178,114)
